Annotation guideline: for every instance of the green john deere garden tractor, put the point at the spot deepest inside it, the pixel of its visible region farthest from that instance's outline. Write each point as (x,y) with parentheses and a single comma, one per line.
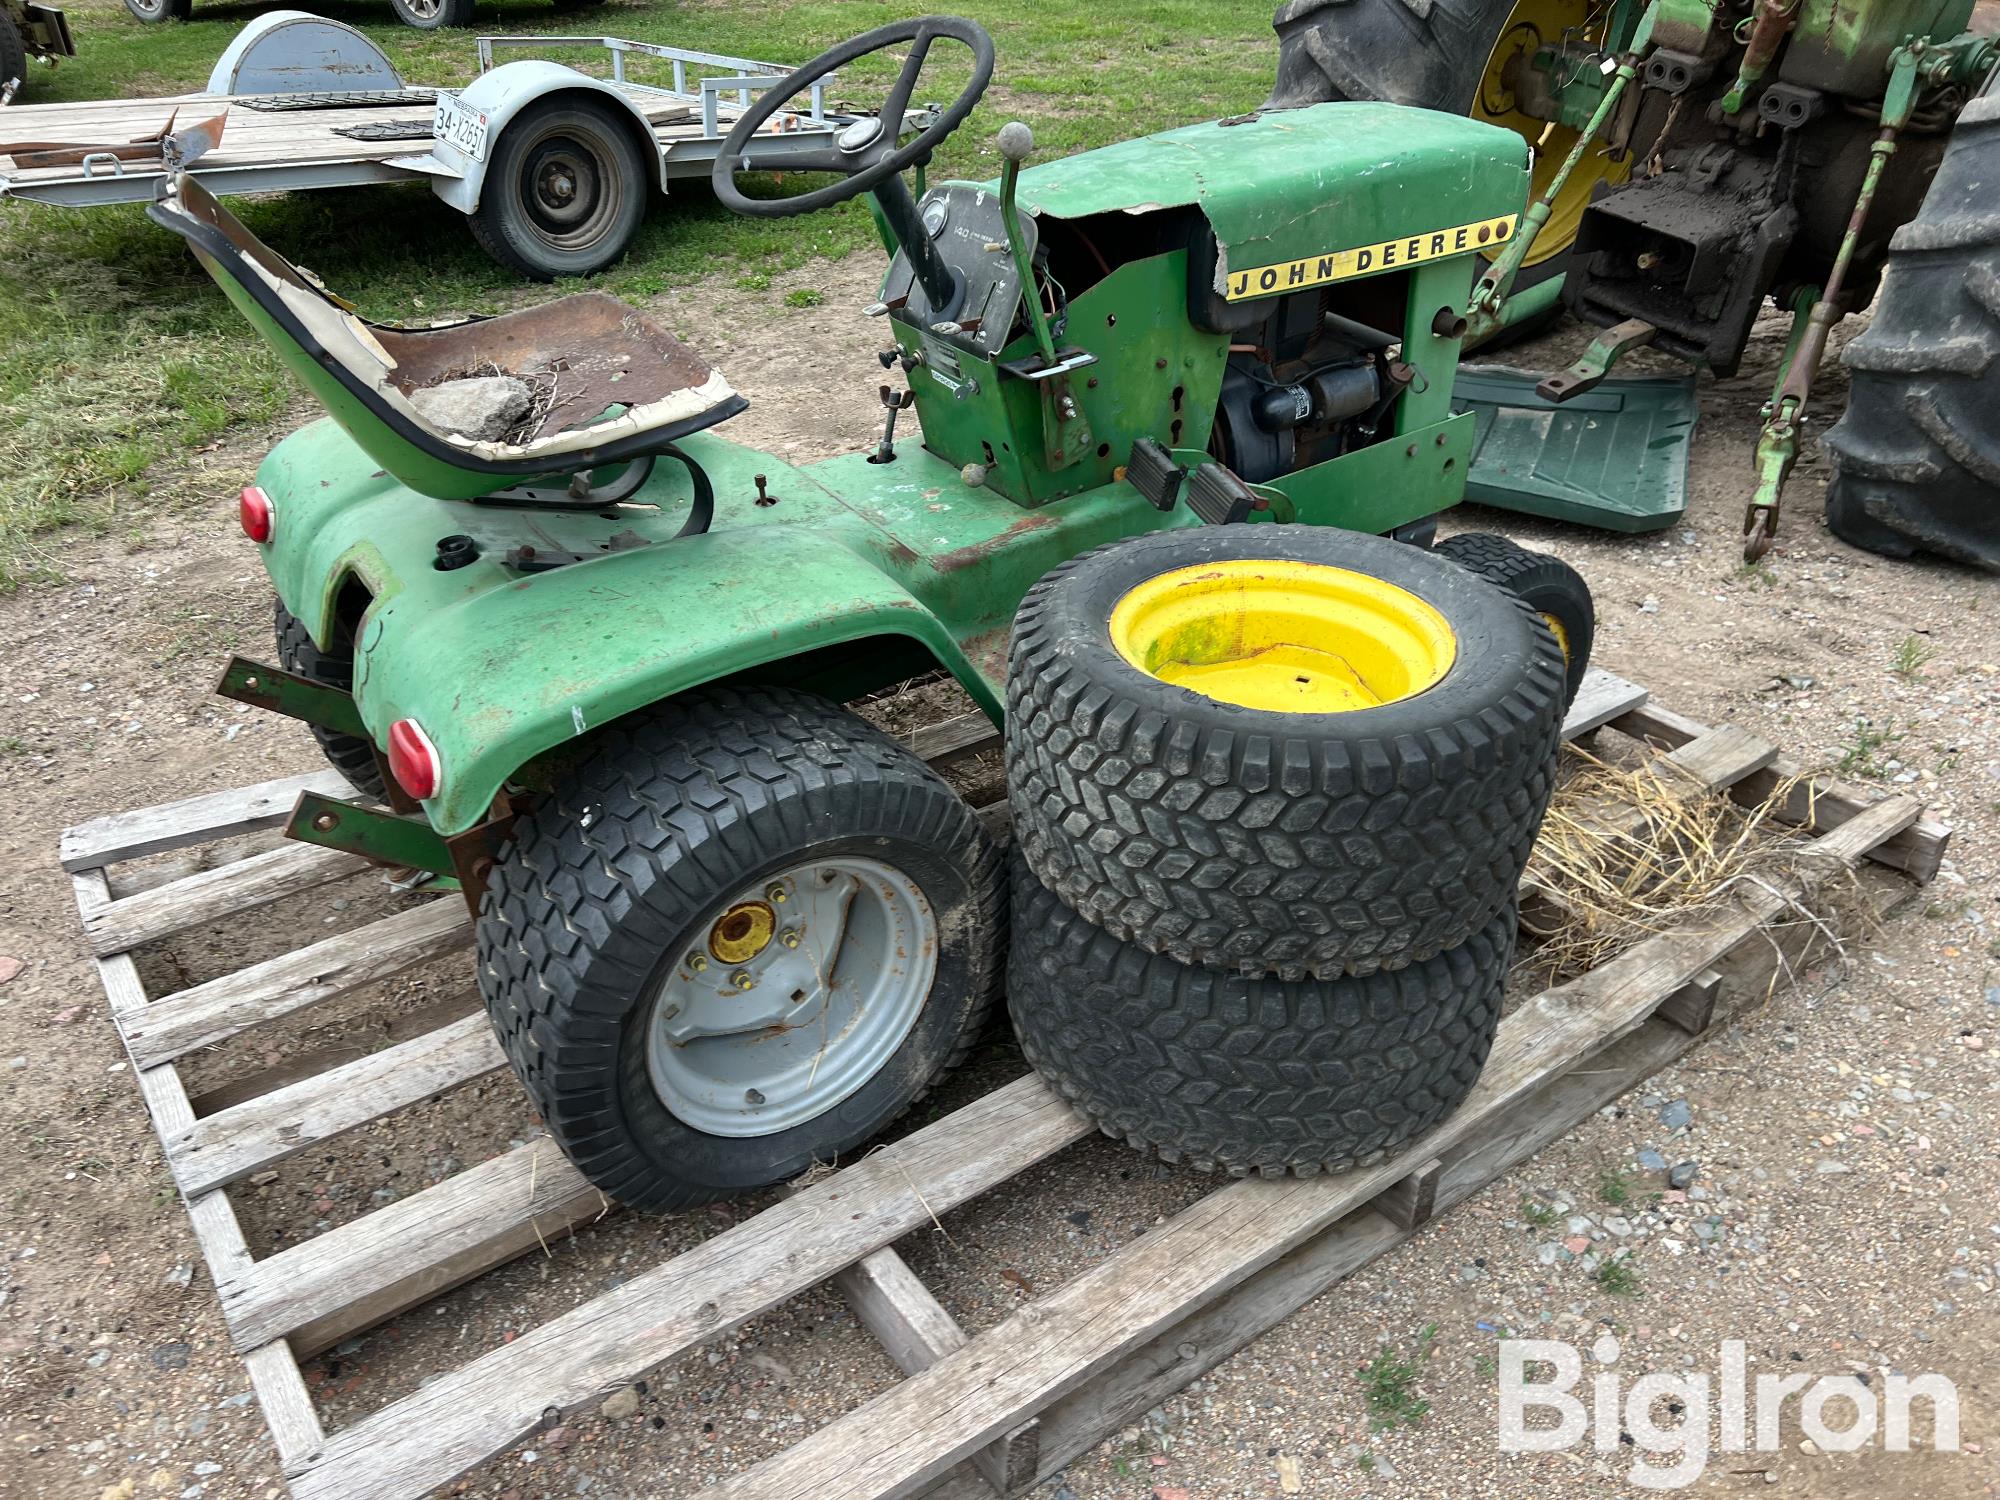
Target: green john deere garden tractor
(1693,158)
(593,662)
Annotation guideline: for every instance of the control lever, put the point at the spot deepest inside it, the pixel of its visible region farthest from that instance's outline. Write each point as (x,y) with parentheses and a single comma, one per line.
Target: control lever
(894,402)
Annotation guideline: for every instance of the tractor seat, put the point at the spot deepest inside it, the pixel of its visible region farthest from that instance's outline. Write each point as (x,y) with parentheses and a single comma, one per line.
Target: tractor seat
(608,383)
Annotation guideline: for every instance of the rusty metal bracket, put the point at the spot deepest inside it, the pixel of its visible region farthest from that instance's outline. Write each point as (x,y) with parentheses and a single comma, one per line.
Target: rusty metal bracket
(1595,362)
(473,851)
(287,693)
(382,838)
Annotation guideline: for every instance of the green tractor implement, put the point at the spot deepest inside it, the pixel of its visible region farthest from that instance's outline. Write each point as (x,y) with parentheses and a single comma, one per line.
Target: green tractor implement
(1694,162)
(1238,322)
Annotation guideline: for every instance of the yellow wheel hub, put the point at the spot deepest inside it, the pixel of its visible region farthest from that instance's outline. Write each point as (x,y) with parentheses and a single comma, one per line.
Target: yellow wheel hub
(742,932)
(1286,637)
(1561,635)
(1534,24)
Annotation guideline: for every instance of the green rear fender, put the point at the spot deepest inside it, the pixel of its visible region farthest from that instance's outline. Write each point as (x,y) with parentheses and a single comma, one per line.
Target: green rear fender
(506,675)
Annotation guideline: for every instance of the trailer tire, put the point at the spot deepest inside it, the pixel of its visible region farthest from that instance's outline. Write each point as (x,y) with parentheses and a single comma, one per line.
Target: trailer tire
(161,10)
(1250,1076)
(1551,587)
(1916,455)
(1265,839)
(566,191)
(637,863)
(434,15)
(349,754)
(13,52)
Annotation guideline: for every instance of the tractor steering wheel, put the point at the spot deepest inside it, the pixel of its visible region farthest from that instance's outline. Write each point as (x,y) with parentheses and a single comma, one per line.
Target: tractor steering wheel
(865,153)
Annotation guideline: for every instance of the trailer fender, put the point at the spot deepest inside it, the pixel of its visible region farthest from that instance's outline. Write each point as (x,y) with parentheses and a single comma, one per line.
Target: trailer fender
(291,52)
(503,93)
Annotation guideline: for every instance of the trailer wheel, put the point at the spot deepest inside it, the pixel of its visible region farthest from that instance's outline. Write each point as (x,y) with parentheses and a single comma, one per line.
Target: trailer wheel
(1553,589)
(161,10)
(432,15)
(1287,750)
(349,754)
(13,52)
(1249,1076)
(565,192)
(743,933)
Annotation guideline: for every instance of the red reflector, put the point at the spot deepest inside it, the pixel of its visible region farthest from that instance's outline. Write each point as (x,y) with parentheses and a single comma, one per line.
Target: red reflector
(413,759)
(254,511)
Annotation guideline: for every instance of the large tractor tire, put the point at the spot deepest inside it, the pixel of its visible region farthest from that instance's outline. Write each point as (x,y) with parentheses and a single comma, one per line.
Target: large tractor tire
(1916,457)
(1447,55)
(1551,587)
(1288,750)
(1249,1076)
(740,936)
(13,52)
(349,754)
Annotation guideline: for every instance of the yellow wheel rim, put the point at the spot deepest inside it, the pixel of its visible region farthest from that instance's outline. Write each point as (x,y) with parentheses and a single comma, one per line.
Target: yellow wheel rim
(1533,24)
(742,932)
(1561,635)
(1285,637)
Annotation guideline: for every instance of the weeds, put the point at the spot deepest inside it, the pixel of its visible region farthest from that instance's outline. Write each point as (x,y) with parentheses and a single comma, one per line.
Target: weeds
(1911,657)
(1615,1188)
(1538,1213)
(1618,1277)
(1389,1385)
(804,296)
(1857,758)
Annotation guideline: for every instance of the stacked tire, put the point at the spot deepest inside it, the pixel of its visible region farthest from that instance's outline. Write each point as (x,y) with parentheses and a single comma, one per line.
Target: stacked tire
(1273,789)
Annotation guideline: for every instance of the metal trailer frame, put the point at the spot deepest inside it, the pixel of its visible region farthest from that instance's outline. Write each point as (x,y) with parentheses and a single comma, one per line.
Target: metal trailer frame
(687,147)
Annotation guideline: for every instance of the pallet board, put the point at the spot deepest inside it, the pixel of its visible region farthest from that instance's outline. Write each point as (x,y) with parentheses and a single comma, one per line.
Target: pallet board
(974,1416)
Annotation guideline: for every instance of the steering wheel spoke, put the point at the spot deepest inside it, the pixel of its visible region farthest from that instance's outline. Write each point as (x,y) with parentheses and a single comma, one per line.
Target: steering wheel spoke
(866,158)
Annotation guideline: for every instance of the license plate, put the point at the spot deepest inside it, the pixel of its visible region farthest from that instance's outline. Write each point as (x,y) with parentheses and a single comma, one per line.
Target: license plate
(460,127)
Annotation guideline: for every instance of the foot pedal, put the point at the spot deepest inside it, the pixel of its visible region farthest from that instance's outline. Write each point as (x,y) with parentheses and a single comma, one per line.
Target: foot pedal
(1151,471)
(1219,497)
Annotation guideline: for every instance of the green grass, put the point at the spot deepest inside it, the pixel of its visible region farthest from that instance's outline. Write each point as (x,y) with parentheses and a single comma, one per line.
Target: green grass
(1911,657)
(1538,1213)
(1614,1188)
(1618,1277)
(1389,1385)
(119,359)
(1858,756)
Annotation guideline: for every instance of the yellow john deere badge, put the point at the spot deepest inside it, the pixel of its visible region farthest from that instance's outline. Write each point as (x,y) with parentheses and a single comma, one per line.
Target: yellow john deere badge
(1365,260)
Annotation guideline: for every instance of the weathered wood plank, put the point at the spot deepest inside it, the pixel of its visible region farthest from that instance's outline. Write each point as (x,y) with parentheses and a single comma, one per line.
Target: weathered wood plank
(237,1141)
(467,1414)
(915,1331)
(954,739)
(209,895)
(281,1390)
(900,1442)
(1823,803)
(1412,1202)
(213,815)
(1601,697)
(293,981)
(1692,1006)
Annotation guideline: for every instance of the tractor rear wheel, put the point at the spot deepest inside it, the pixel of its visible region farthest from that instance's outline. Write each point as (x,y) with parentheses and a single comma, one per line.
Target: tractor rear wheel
(13,52)
(349,754)
(742,933)
(1450,55)
(1916,457)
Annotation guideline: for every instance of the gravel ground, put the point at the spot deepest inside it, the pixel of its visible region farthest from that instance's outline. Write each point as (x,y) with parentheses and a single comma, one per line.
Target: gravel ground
(1836,1204)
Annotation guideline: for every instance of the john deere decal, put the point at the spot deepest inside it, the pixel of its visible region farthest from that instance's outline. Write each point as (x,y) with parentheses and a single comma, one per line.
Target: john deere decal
(1366,260)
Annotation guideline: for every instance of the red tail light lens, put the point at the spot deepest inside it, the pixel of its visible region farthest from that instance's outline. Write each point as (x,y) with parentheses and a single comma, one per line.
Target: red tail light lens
(254,511)
(413,759)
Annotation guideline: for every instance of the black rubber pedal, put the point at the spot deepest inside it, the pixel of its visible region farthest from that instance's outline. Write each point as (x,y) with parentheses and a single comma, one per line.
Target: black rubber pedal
(1219,497)
(1153,473)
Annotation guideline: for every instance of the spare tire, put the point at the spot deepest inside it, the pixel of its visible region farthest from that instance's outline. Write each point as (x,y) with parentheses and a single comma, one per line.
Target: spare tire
(1264,1076)
(1553,589)
(1280,749)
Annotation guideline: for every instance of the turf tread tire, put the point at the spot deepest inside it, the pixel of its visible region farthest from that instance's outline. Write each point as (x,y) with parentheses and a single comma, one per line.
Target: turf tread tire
(670,812)
(1295,845)
(1548,584)
(1916,455)
(349,754)
(1251,1076)
(13,52)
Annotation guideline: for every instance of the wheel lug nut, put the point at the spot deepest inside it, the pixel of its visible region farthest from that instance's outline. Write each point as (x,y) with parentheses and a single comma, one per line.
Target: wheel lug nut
(775,895)
(790,939)
(697,963)
(742,980)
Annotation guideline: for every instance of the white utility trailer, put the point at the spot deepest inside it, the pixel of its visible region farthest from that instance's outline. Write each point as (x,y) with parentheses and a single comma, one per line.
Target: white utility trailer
(553,167)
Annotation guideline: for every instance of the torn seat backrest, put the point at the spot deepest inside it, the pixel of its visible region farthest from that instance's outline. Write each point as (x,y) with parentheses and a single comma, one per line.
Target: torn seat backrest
(612,384)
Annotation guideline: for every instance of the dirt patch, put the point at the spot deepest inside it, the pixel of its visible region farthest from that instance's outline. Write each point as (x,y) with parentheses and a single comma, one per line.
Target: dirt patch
(114,1365)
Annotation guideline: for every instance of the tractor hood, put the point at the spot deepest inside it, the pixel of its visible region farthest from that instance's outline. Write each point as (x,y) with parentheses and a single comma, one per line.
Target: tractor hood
(1299,197)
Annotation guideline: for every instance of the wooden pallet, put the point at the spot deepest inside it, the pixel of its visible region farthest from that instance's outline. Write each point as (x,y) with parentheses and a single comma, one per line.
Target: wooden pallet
(973,1415)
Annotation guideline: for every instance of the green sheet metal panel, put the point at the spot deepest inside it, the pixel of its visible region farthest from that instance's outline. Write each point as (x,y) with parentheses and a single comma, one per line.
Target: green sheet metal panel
(1615,457)
(1305,185)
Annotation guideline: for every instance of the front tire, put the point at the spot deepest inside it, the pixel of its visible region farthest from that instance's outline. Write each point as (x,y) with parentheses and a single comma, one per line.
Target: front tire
(1551,587)
(657,926)
(349,754)
(566,191)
